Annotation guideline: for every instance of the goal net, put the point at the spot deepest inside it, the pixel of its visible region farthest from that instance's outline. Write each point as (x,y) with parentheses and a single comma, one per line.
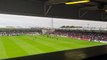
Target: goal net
(47,31)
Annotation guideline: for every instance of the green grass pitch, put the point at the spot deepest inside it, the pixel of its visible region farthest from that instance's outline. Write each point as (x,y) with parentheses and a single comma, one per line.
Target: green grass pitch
(17,46)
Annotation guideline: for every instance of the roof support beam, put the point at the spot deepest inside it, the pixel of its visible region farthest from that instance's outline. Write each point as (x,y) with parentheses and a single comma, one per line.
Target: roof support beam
(103,16)
(53,2)
(77,2)
(47,8)
(81,14)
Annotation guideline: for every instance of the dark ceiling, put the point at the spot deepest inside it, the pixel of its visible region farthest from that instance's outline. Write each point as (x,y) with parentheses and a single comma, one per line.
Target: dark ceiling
(88,11)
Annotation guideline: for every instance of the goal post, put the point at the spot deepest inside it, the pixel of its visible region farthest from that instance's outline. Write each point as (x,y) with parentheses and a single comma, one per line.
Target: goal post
(47,31)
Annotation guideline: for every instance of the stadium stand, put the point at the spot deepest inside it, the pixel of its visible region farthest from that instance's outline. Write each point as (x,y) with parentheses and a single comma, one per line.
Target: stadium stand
(14,32)
(83,35)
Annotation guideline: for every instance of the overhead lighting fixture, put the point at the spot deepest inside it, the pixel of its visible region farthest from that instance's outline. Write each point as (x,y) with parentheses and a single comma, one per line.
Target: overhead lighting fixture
(77,2)
(105,10)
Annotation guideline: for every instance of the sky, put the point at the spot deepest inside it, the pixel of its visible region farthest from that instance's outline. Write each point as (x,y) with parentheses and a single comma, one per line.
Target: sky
(34,21)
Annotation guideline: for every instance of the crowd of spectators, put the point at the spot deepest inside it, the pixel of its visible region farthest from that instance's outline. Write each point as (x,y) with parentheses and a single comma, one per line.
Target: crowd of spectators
(84,35)
(14,32)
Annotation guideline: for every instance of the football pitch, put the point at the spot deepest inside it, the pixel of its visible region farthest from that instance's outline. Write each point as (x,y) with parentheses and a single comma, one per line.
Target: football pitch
(25,45)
